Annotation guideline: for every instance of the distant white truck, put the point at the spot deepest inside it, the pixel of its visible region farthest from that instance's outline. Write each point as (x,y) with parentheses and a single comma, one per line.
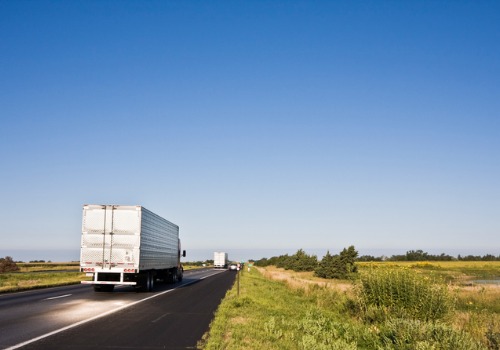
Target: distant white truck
(220,260)
(128,245)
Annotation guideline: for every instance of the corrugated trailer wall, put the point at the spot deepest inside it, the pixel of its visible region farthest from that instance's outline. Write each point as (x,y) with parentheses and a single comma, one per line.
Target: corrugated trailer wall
(159,242)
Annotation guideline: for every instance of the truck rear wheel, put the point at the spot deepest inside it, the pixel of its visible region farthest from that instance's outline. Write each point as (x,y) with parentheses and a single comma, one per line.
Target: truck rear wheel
(142,282)
(151,281)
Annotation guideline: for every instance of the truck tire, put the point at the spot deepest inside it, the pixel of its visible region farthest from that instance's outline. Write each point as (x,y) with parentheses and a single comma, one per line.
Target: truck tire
(151,281)
(142,282)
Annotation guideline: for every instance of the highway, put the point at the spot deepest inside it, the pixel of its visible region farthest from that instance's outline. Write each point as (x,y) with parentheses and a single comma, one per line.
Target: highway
(174,316)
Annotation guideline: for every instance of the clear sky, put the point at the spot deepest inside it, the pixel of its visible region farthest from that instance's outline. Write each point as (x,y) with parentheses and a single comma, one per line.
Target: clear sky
(254,124)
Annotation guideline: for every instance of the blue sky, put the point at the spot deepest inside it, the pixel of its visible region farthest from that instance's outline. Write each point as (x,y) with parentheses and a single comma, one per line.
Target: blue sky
(254,124)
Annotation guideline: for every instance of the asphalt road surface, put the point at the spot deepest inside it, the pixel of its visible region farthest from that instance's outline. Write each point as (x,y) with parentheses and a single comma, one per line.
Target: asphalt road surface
(174,316)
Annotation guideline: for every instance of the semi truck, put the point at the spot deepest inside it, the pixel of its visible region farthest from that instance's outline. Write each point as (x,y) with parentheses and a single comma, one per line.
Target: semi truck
(220,260)
(128,245)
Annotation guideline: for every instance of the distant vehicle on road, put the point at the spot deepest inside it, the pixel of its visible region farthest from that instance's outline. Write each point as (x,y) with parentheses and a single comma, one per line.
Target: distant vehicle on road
(220,260)
(233,267)
(128,245)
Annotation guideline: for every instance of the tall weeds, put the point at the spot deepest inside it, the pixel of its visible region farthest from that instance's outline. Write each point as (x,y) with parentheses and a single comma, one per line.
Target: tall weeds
(402,293)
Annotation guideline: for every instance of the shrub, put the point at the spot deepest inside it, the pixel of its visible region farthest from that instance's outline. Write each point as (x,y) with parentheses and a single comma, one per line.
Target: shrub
(7,264)
(402,293)
(338,266)
(402,334)
(300,261)
(313,330)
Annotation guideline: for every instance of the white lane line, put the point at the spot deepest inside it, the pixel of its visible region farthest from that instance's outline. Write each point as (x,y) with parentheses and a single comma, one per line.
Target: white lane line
(60,296)
(107,313)
(213,274)
(159,318)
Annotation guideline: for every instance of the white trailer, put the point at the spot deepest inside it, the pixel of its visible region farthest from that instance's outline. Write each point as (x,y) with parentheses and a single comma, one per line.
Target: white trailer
(220,260)
(128,245)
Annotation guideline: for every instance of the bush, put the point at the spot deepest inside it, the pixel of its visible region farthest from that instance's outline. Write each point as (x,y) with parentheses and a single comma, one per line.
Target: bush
(402,293)
(300,261)
(402,334)
(7,264)
(314,330)
(338,266)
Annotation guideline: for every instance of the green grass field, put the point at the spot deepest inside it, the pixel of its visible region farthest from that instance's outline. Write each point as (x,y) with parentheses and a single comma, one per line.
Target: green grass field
(457,272)
(49,266)
(40,275)
(279,309)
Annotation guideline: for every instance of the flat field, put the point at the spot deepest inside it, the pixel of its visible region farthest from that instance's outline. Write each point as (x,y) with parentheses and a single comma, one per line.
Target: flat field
(456,272)
(40,275)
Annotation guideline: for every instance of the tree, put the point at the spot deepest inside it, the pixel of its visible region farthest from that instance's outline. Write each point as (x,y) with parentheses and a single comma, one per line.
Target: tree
(301,261)
(348,258)
(340,266)
(327,266)
(7,264)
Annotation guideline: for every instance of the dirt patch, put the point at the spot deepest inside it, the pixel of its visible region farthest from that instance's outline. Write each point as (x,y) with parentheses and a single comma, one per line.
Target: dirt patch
(304,280)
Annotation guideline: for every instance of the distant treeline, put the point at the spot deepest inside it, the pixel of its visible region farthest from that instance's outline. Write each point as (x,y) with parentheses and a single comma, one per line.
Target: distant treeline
(420,255)
(301,261)
(199,263)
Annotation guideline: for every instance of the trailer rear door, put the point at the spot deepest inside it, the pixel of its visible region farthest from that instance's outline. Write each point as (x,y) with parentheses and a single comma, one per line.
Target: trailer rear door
(110,236)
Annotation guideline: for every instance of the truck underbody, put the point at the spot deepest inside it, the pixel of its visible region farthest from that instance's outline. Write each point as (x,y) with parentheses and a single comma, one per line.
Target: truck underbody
(144,281)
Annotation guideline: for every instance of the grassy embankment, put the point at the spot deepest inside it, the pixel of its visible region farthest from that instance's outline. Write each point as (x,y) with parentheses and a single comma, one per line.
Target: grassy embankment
(421,306)
(40,275)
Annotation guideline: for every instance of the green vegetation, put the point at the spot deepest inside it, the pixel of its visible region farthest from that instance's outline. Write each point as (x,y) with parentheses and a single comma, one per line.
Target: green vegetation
(300,261)
(14,282)
(389,306)
(401,293)
(7,264)
(39,275)
(455,272)
(420,255)
(340,266)
(48,266)
(199,263)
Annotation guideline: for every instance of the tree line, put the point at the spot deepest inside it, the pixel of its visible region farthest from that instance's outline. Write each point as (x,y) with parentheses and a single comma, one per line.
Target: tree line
(343,265)
(420,255)
(340,266)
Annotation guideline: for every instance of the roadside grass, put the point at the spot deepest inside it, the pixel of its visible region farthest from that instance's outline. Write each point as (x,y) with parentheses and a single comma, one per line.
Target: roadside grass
(61,266)
(14,282)
(41,275)
(187,266)
(279,309)
(270,315)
